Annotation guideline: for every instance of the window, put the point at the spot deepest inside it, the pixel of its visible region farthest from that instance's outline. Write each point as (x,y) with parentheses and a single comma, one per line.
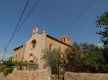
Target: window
(33,44)
(50,47)
(64,40)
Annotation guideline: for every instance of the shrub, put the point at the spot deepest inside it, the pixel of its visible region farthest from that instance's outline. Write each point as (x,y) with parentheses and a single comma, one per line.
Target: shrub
(1,69)
(22,63)
(6,71)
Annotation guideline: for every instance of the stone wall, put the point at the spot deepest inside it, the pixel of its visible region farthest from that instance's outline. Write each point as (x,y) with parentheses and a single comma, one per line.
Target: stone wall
(54,44)
(43,74)
(85,76)
(18,53)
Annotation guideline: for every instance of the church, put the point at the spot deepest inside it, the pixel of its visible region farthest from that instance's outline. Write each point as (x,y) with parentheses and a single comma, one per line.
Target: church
(32,50)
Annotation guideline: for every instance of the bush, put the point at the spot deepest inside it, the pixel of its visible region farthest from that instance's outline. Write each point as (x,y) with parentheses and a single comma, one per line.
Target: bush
(22,63)
(1,69)
(6,71)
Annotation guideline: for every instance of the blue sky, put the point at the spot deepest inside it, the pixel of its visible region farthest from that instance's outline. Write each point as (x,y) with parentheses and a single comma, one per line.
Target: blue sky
(56,16)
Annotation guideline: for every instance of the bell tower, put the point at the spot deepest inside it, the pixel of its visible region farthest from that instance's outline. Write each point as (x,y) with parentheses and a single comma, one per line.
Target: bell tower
(65,39)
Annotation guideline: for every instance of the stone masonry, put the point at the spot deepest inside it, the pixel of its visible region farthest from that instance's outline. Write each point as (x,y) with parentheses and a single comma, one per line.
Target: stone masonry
(85,76)
(43,74)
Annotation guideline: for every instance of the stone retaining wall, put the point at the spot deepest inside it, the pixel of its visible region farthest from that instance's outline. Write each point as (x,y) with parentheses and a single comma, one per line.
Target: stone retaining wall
(85,76)
(43,74)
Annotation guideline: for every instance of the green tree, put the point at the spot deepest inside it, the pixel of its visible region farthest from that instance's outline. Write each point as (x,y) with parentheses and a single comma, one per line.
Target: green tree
(84,58)
(105,54)
(72,58)
(9,62)
(52,58)
(103,22)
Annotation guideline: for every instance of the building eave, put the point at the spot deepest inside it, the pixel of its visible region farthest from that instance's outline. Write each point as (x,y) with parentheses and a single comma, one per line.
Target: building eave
(18,47)
(58,40)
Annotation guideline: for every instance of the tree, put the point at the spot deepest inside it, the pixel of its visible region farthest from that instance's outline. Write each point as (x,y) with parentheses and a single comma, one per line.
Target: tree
(72,57)
(52,58)
(9,62)
(103,22)
(85,58)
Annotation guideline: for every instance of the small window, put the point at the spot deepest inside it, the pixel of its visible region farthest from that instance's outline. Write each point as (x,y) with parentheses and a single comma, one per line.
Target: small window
(50,47)
(64,40)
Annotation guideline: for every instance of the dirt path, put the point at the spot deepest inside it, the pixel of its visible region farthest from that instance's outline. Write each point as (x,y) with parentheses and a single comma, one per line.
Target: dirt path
(2,77)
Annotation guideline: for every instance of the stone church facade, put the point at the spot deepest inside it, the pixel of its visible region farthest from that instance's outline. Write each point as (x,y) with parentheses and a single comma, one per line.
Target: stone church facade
(32,51)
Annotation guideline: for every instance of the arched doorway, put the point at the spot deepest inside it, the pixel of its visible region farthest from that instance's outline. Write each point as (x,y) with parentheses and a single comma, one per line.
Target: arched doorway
(31,63)
(31,58)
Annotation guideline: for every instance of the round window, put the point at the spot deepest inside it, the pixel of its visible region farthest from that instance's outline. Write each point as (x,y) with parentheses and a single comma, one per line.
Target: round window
(33,44)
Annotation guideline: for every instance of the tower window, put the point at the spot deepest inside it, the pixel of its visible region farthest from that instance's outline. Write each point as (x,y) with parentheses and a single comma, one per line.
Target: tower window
(64,40)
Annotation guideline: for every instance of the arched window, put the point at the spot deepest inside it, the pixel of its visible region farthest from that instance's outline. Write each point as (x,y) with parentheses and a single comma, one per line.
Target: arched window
(64,40)
(50,47)
(33,44)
